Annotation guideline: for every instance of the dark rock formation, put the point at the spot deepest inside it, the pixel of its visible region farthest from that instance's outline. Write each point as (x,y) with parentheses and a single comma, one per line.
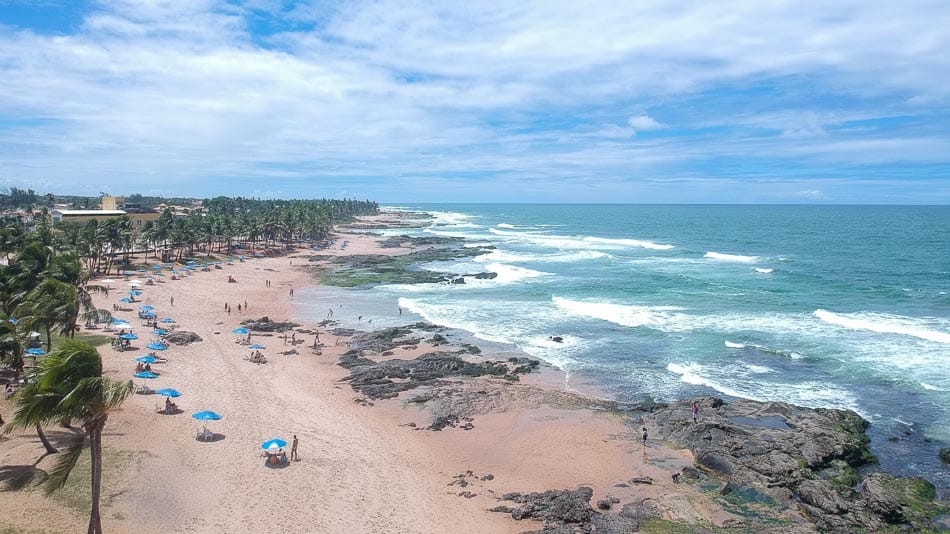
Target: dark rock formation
(945,455)
(386,379)
(792,454)
(567,512)
(182,337)
(264,324)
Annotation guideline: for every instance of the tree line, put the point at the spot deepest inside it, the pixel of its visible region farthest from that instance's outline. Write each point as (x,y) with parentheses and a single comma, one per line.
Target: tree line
(47,280)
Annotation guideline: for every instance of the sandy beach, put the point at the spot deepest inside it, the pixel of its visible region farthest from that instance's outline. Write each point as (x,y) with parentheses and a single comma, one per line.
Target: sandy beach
(362,467)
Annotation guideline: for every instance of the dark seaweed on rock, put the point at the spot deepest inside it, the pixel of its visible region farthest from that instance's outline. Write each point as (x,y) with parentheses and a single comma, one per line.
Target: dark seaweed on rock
(795,454)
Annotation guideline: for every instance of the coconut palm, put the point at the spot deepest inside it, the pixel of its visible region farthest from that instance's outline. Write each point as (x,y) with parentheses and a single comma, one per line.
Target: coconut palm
(49,305)
(69,385)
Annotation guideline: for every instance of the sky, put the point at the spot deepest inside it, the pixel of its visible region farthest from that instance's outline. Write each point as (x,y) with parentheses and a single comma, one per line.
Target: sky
(798,101)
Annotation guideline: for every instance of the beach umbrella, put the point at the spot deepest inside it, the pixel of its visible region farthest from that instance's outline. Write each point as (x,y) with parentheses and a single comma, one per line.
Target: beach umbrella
(156,346)
(148,315)
(135,283)
(273,444)
(129,336)
(168,392)
(206,415)
(135,292)
(257,346)
(145,374)
(146,307)
(125,300)
(120,322)
(147,359)
(35,352)
(168,320)
(34,334)
(240,330)
(108,281)
(159,332)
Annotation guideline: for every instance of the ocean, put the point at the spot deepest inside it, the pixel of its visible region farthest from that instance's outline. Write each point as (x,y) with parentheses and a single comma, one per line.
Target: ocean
(821,306)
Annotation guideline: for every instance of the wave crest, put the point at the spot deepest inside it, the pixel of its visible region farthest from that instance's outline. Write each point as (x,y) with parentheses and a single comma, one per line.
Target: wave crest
(730,257)
(883,324)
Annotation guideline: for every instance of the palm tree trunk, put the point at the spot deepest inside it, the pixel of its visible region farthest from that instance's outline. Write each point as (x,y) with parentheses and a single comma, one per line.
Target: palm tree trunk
(94,430)
(50,449)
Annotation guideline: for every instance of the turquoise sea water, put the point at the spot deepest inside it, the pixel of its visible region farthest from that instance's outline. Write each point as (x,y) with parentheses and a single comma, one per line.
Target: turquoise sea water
(831,306)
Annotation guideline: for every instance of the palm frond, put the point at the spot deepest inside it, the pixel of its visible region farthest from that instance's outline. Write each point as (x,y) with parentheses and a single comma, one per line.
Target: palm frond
(64,465)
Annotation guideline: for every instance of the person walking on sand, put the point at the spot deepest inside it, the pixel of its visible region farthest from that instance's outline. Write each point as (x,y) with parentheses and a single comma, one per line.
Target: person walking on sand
(172,301)
(644,436)
(293,449)
(291,292)
(695,412)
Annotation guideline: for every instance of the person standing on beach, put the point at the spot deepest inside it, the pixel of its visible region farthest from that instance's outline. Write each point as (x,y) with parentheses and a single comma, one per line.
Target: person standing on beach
(293,449)
(695,411)
(172,301)
(291,292)
(400,310)
(644,436)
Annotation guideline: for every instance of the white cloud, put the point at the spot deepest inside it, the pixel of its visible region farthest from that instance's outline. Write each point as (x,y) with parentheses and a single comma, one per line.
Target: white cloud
(643,123)
(183,91)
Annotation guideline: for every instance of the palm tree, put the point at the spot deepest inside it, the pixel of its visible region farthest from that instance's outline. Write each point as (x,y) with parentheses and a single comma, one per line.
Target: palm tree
(50,304)
(69,385)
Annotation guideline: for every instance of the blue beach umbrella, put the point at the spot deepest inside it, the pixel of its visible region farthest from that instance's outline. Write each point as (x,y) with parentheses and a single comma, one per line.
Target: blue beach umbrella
(129,336)
(135,293)
(35,352)
(206,415)
(156,346)
(168,320)
(168,392)
(148,315)
(145,374)
(125,300)
(257,346)
(146,307)
(240,330)
(147,359)
(159,332)
(120,322)
(274,444)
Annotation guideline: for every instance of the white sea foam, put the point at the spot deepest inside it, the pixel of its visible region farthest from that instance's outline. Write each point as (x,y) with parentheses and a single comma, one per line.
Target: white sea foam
(883,324)
(508,274)
(736,381)
(576,242)
(624,315)
(730,257)
(581,255)
(731,345)
(762,270)
(629,243)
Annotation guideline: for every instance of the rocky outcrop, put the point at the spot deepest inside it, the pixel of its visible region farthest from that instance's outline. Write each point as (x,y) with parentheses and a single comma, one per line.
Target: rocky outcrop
(945,455)
(264,324)
(387,379)
(182,337)
(567,511)
(796,454)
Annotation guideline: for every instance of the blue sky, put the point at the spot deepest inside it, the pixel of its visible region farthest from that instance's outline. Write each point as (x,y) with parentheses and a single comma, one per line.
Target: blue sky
(531,101)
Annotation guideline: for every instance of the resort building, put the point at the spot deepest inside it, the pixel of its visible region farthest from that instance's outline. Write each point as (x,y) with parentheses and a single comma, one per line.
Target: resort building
(112,207)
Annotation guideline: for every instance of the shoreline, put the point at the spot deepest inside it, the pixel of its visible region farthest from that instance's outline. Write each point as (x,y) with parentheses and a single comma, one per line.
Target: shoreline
(366,464)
